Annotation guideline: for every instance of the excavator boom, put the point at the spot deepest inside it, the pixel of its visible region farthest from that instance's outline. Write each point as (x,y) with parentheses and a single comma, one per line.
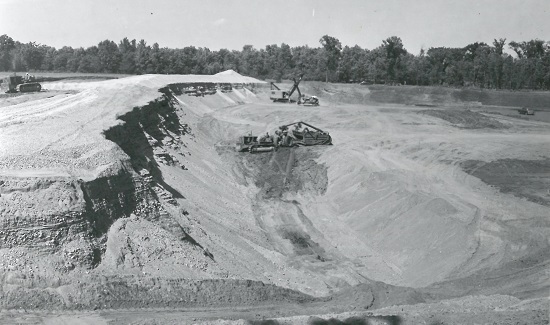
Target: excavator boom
(295,87)
(278,95)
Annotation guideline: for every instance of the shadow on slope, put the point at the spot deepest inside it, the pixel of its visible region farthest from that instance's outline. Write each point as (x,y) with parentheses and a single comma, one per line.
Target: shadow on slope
(529,179)
(158,120)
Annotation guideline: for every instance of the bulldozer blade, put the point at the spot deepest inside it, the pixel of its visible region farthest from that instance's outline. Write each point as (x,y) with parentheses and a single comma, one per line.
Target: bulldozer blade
(261,149)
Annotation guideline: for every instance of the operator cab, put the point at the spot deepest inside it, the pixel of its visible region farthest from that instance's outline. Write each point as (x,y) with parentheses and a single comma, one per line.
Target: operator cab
(277,95)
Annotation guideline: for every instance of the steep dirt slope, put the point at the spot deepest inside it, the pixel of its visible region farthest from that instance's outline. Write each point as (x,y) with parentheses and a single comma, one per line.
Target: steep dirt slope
(85,204)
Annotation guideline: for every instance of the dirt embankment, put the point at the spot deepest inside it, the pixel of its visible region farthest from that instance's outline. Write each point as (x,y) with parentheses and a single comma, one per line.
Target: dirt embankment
(80,231)
(116,292)
(45,249)
(63,218)
(63,222)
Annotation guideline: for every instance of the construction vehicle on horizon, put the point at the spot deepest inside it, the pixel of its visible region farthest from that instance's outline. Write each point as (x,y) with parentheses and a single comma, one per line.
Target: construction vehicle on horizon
(15,83)
(526,111)
(283,96)
(303,134)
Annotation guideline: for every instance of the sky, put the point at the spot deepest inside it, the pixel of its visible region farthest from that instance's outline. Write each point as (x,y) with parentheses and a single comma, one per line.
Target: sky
(231,24)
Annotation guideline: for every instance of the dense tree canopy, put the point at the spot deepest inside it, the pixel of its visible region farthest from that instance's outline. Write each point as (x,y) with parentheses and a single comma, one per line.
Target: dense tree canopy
(331,54)
(476,65)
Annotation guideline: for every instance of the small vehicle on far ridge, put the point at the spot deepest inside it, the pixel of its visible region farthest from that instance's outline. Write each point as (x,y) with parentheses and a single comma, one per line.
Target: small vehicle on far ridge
(526,111)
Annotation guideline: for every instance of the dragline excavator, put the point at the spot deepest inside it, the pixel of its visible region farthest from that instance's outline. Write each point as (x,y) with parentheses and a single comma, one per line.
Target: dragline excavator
(283,96)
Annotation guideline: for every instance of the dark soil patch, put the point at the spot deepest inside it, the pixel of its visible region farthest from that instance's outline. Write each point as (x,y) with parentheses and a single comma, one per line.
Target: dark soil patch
(528,179)
(302,242)
(466,119)
(287,170)
(533,99)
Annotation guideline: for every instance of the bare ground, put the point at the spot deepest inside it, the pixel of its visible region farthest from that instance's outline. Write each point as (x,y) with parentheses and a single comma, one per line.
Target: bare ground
(116,195)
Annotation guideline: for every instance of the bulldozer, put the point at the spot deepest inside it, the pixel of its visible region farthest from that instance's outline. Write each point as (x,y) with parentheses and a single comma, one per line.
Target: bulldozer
(252,143)
(302,134)
(310,101)
(283,96)
(15,83)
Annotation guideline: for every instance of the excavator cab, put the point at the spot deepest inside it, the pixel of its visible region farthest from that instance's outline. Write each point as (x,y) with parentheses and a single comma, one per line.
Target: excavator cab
(278,95)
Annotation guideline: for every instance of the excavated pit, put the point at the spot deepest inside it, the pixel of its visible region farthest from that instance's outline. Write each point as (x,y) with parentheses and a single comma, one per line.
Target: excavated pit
(77,235)
(286,170)
(178,219)
(279,175)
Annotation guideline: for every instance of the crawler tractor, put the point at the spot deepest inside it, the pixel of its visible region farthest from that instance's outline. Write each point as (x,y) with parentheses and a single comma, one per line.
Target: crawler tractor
(252,144)
(13,84)
(310,101)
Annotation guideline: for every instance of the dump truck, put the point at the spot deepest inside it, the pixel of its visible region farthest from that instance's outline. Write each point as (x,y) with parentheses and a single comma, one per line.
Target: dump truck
(14,84)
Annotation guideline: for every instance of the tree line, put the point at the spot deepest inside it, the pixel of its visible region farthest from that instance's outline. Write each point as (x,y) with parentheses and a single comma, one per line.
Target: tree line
(475,65)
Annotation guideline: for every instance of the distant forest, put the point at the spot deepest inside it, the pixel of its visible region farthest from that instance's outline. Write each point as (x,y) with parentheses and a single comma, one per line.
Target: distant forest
(475,65)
